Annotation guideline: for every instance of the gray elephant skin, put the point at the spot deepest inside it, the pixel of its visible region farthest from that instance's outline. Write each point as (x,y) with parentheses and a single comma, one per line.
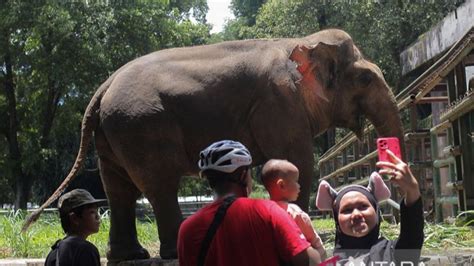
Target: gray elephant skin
(151,118)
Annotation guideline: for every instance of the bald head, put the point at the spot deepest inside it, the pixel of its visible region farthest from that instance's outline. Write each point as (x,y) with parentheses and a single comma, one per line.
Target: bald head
(277,168)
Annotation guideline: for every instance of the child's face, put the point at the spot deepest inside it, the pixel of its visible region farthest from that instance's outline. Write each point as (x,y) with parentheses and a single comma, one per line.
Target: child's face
(89,221)
(291,188)
(356,215)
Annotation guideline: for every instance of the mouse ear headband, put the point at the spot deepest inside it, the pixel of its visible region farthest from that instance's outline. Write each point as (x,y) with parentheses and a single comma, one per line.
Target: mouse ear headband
(327,195)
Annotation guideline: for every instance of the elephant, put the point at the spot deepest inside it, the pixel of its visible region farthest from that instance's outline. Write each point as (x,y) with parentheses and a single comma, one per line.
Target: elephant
(152,116)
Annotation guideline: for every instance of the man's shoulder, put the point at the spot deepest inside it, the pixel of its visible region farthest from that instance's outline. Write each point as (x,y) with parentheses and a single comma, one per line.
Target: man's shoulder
(262,206)
(200,216)
(264,202)
(256,203)
(241,204)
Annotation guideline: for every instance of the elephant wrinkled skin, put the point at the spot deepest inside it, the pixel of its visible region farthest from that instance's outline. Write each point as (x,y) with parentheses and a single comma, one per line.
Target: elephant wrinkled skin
(153,116)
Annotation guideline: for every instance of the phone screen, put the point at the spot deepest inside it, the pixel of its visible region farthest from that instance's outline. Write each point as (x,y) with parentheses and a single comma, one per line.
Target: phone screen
(391,144)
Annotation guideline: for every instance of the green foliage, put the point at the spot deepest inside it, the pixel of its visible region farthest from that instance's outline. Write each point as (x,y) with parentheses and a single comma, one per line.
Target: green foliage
(36,242)
(194,186)
(246,9)
(237,29)
(199,8)
(60,53)
(324,225)
(444,236)
(18,245)
(259,191)
(147,234)
(278,19)
(325,228)
(465,218)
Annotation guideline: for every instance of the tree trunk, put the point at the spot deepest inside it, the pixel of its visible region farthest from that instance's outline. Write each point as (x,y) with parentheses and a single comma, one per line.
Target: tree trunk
(54,94)
(22,184)
(322,20)
(50,113)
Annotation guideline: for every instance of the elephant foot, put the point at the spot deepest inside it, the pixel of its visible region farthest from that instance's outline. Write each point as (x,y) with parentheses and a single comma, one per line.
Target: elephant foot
(117,255)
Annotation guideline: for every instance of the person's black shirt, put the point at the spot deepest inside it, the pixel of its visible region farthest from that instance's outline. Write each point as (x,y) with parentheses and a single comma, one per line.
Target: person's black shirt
(73,251)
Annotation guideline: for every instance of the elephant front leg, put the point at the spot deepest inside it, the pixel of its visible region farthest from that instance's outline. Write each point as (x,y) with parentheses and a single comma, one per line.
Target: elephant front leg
(304,160)
(122,195)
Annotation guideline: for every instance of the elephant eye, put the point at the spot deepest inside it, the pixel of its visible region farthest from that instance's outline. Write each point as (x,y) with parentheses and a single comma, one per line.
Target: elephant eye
(365,78)
(331,75)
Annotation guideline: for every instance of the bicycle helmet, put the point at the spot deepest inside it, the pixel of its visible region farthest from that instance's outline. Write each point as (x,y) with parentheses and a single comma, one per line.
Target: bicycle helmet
(224,156)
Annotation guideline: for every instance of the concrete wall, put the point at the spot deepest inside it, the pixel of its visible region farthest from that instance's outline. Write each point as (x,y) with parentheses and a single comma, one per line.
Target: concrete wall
(432,43)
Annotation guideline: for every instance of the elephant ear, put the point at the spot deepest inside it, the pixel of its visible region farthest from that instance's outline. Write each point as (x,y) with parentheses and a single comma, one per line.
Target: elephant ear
(321,64)
(378,188)
(301,55)
(326,196)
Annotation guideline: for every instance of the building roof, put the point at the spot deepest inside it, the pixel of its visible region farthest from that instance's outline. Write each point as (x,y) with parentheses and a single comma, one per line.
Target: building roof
(439,39)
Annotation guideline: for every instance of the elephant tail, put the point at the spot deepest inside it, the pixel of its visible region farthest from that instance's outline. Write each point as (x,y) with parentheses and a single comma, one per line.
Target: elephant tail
(89,124)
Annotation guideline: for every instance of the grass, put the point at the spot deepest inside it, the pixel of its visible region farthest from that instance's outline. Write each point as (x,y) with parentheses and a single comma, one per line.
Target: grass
(36,242)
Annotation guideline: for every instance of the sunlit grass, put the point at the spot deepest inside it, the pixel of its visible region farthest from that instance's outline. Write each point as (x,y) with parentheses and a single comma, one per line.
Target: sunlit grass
(36,242)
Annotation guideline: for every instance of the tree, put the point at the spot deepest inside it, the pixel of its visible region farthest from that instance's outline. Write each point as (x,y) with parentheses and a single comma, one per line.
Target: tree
(245,12)
(246,9)
(8,55)
(54,56)
(278,19)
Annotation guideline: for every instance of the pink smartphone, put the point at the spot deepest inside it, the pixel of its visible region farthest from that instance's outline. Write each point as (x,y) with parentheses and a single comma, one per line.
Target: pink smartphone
(332,261)
(390,143)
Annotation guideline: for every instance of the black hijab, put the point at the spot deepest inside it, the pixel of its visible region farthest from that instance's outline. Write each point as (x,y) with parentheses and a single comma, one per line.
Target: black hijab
(346,245)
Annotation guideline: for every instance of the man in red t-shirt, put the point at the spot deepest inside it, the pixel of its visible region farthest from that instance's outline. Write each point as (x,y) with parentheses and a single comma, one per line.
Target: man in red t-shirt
(251,232)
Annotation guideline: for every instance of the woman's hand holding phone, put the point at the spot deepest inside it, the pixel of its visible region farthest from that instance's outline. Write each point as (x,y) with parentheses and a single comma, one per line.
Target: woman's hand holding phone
(401,175)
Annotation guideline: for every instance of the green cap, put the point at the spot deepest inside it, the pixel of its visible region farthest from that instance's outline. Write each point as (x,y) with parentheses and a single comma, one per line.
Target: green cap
(76,198)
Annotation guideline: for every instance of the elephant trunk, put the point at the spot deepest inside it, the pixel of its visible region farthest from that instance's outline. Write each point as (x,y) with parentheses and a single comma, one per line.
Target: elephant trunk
(382,111)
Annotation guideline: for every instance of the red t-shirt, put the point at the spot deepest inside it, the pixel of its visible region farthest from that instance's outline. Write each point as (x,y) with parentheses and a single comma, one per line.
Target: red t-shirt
(253,232)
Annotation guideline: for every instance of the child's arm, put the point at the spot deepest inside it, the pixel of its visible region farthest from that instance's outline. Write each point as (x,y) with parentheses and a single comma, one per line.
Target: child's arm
(322,252)
(304,223)
(318,245)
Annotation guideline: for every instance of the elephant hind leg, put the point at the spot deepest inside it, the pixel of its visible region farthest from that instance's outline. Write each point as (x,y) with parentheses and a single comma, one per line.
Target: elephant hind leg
(168,214)
(122,195)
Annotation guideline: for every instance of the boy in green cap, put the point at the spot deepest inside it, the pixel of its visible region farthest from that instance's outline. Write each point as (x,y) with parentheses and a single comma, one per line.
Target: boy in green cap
(79,219)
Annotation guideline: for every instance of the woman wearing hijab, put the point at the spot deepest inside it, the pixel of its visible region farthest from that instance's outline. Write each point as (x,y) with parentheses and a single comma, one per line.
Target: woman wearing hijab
(356,214)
